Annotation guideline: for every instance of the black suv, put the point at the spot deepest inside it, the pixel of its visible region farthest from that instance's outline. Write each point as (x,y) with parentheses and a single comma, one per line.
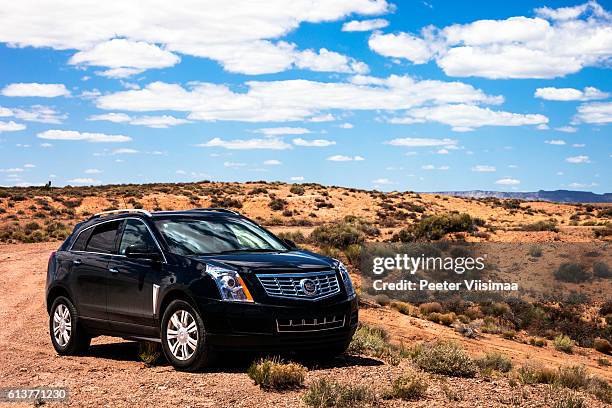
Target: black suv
(198,281)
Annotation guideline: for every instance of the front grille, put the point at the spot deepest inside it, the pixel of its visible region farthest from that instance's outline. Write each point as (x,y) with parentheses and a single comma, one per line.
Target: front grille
(293,285)
(310,324)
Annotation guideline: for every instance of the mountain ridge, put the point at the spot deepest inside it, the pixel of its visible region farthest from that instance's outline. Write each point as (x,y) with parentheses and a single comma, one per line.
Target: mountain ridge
(559,196)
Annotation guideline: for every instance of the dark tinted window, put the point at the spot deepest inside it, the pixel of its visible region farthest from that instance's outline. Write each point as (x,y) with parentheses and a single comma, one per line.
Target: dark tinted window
(136,233)
(81,241)
(103,238)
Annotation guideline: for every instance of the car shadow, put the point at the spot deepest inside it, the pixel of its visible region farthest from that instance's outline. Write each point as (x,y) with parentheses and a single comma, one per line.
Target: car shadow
(227,362)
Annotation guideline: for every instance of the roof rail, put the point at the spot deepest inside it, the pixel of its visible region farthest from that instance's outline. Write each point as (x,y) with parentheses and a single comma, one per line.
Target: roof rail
(224,210)
(122,211)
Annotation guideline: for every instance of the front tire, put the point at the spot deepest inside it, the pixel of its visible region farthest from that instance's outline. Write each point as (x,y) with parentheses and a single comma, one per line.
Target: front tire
(184,337)
(67,335)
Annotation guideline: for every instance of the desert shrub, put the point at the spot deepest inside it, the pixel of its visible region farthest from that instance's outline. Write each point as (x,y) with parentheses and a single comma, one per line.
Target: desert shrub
(295,236)
(563,343)
(431,307)
(535,251)
(568,399)
(494,362)
(342,234)
(325,393)
(382,299)
(297,190)
(374,341)
(602,345)
(571,272)
(550,225)
(149,352)
(603,232)
(277,375)
(258,190)
(574,377)
(601,389)
(411,385)
(444,357)
(30,227)
(604,362)
(404,308)
(277,204)
(446,319)
(602,270)
(225,202)
(437,226)
(509,334)
(353,254)
(537,341)
(534,372)
(606,308)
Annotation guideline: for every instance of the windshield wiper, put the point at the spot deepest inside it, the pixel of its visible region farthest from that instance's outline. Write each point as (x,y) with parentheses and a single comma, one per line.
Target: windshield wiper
(230,251)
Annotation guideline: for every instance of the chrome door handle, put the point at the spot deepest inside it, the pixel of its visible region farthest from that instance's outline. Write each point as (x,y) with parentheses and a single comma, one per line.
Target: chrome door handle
(113,270)
(77,262)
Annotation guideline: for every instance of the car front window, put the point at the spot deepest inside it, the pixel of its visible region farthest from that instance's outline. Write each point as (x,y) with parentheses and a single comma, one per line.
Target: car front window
(199,236)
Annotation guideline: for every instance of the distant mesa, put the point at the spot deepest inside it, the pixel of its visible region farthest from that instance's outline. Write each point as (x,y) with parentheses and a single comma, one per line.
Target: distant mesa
(558,196)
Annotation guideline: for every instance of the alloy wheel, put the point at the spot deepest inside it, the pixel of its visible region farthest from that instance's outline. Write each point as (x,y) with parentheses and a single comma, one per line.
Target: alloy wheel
(62,325)
(182,335)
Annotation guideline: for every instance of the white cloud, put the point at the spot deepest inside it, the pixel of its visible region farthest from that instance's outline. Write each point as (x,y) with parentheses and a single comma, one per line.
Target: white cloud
(5,112)
(432,167)
(35,90)
(329,61)
(383,181)
(342,158)
(296,178)
(233,164)
(84,180)
(272,162)
(125,151)
(247,144)
(36,113)
(313,143)
(124,57)
(464,117)
(46,145)
(346,125)
(596,113)
(442,151)
(365,25)
(517,47)
(158,122)
(543,126)
(582,185)
(29,166)
(508,182)
(327,117)
(11,126)
(12,170)
(421,142)
(578,145)
(481,168)
(567,129)
(578,159)
(292,100)
(402,45)
(278,131)
(55,134)
(570,94)
(557,142)
(241,37)
(93,171)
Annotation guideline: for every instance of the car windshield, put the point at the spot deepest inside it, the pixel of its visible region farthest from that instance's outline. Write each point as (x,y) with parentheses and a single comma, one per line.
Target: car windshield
(207,236)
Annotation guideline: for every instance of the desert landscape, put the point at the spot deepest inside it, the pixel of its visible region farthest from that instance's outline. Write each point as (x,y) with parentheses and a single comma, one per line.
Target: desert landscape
(548,348)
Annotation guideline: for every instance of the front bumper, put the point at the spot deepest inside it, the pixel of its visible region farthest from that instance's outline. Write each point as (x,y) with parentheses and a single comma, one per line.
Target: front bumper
(300,326)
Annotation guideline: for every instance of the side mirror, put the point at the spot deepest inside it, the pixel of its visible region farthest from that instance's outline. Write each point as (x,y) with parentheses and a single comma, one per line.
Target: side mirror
(141,252)
(290,243)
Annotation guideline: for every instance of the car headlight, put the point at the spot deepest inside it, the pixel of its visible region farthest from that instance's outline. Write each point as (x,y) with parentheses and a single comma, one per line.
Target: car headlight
(348,284)
(230,284)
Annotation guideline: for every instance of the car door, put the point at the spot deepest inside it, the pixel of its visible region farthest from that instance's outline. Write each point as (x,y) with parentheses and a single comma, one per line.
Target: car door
(90,271)
(133,283)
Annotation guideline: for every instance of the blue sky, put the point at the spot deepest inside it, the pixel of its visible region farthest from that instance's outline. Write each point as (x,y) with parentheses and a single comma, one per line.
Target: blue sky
(405,95)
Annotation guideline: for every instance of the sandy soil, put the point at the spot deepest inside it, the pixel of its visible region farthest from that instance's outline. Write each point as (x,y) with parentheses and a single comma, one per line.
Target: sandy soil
(111,375)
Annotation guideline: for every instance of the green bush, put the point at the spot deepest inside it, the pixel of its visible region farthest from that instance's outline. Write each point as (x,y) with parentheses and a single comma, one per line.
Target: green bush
(538,342)
(436,227)
(411,385)
(602,345)
(601,389)
(563,343)
(277,204)
(343,234)
(444,357)
(325,393)
(574,377)
(572,272)
(534,372)
(431,307)
(550,225)
(403,308)
(602,270)
(374,341)
(297,190)
(494,362)
(535,251)
(277,375)
(569,399)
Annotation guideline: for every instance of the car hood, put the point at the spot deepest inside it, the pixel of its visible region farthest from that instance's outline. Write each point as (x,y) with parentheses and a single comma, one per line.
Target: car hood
(290,261)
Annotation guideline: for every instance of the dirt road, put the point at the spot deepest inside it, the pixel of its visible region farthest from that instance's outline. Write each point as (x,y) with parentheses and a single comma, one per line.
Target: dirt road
(112,376)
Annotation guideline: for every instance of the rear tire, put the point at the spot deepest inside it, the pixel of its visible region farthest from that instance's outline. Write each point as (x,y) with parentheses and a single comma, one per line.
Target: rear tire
(183,337)
(68,336)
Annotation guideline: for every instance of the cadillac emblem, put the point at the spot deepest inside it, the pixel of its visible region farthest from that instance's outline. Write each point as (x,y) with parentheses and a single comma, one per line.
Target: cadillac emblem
(309,287)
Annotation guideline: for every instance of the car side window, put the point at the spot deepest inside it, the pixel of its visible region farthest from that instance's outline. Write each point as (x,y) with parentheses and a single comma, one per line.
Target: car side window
(103,238)
(81,241)
(136,233)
